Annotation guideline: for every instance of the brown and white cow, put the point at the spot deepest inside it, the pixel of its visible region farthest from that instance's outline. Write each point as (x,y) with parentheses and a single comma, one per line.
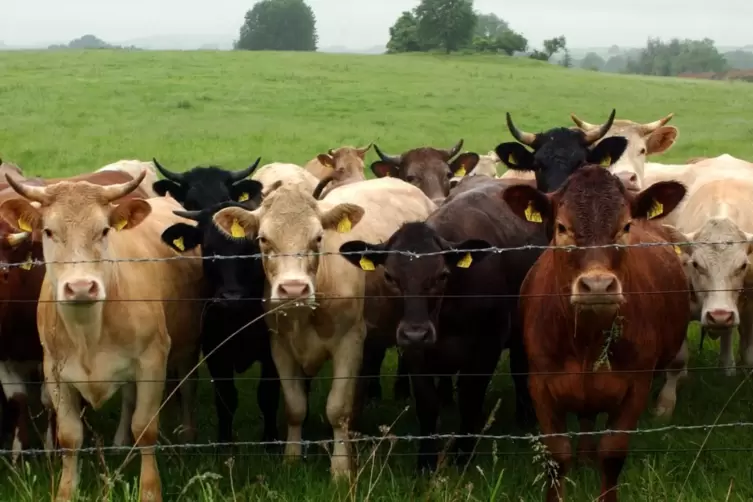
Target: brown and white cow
(95,337)
(598,322)
(321,293)
(337,167)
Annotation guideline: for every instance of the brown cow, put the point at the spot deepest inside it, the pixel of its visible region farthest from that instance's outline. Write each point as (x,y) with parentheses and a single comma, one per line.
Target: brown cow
(94,340)
(337,167)
(588,312)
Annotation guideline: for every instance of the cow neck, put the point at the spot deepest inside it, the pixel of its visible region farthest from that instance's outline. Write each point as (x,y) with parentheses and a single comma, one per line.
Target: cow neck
(83,324)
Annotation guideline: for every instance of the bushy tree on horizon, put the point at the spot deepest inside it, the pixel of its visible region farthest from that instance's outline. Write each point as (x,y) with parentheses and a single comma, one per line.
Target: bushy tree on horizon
(446,24)
(281,25)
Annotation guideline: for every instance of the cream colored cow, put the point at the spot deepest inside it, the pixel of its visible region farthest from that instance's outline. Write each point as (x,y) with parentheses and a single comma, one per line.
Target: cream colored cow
(134,168)
(337,167)
(323,294)
(92,342)
(487,166)
(288,174)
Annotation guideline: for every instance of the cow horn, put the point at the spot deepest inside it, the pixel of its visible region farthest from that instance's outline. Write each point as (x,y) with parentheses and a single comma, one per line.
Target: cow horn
(36,194)
(176,177)
(647,129)
(364,149)
(114,192)
(582,124)
(392,159)
(594,135)
(239,175)
(527,138)
(17,238)
(454,150)
(331,152)
(189,215)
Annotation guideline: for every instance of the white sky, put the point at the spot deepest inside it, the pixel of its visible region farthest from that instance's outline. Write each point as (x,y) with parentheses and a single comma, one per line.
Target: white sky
(365,23)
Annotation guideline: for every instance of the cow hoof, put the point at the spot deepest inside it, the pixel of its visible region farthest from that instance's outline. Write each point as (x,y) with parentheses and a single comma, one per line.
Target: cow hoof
(340,469)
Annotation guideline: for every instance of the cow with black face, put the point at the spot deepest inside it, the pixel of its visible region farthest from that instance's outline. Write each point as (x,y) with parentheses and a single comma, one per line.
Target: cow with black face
(202,187)
(559,152)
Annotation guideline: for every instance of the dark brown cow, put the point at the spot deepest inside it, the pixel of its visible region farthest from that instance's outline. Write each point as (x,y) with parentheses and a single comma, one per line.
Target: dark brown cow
(587,313)
(20,283)
(430,169)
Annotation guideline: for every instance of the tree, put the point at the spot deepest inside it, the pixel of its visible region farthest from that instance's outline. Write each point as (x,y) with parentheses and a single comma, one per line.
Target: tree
(404,34)
(510,42)
(447,24)
(282,25)
(551,47)
(677,56)
(489,26)
(592,61)
(567,60)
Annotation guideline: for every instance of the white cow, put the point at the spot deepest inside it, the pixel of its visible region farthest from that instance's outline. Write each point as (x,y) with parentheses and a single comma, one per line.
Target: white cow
(134,168)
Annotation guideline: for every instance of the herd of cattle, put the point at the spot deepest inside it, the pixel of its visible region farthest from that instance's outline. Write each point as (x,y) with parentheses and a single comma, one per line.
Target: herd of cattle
(96,291)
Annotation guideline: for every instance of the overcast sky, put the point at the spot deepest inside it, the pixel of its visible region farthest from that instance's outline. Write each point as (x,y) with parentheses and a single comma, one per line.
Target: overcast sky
(365,23)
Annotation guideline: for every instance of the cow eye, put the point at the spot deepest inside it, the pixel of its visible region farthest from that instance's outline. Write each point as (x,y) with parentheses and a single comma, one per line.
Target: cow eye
(449,174)
(626,228)
(743,266)
(695,264)
(561,228)
(643,151)
(105,231)
(389,278)
(262,239)
(48,233)
(410,179)
(443,276)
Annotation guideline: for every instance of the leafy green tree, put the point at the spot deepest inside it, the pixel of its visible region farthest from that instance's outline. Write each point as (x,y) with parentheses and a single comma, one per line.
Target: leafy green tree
(551,47)
(281,25)
(489,26)
(404,34)
(740,60)
(678,56)
(448,24)
(592,61)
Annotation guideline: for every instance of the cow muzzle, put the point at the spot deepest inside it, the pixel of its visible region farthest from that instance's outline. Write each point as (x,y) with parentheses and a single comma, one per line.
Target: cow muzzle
(293,289)
(82,291)
(718,321)
(409,334)
(228,298)
(597,290)
(629,181)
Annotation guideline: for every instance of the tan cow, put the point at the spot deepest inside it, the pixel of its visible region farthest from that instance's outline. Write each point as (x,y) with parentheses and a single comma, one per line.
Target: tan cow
(93,343)
(337,167)
(643,140)
(134,168)
(326,317)
(487,166)
(289,174)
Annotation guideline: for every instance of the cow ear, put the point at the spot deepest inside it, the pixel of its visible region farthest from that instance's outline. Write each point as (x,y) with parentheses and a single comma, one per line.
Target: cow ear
(466,253)
(382,169)
(247,191)
(608,151)
(326,160)
(675,236)
(661,140)
(129,214)
(464,164)
(515,156)
(21,215)
(342,217)
(528,203)
(162,187)
(182,237)
(237,222)
(658,200)
(364,255)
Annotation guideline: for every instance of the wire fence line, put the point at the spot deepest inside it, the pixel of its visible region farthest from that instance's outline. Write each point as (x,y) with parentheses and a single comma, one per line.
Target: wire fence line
(412,254)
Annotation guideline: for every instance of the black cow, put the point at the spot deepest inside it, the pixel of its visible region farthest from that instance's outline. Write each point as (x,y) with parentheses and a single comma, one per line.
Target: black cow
(558,152)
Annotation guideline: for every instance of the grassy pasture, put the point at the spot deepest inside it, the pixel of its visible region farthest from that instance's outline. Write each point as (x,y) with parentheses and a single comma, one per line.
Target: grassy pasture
(65,113)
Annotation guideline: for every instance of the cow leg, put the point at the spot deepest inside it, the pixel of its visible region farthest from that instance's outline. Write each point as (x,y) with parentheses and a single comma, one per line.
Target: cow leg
(586,444)
(665,404)
(726,359)
(17,395)
(150,388)
(295,394)
(746,334)
(446,391)
(374,352)
(50,437)
(225,394)
(187,391)
(401,390)
(268,399)
(70,430)
(471,393)
(427,409)
(346,362)
(122,435)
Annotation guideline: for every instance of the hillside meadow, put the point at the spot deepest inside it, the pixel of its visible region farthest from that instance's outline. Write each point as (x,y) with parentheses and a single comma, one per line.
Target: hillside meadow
(63,113)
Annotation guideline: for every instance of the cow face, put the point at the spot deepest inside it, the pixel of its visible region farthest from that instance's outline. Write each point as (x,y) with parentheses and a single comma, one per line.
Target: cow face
(202,187)
(17,252)
(421,281)
(429,169)
(345,162)
(593,208)
(718,268)
(558,152)
(290,227)
(229,279)
(75,219)
(642,140)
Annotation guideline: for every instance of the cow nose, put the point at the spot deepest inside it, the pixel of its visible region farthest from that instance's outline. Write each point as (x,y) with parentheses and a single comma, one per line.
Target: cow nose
(294,289)
(629,181)
(84,290)
(598,284)
(415,333)
(720,318)
(230,296)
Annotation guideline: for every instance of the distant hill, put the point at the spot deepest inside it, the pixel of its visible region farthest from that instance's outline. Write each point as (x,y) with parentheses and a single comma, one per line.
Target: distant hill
(182,42)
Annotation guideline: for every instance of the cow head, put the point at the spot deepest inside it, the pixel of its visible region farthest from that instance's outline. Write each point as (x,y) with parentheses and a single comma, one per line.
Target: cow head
(486,166)
(429,169)
(558,152)
(642,140)
(345,162)
(718,266)
(593,208)
(229,279)
(75,219)
(202,187)
(291,228)
(421,280)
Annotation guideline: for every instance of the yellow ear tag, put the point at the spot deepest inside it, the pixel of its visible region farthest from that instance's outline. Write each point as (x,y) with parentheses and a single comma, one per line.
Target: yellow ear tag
(533,215)
(606,161)
(243,197)
(677,250)
(179,243)
(511,159)
(236,230)
(656,210)
(121,224)
(27,264)
(344,226)
(465,261)
(24,225)
(366,264)
(387,175)
(460,172)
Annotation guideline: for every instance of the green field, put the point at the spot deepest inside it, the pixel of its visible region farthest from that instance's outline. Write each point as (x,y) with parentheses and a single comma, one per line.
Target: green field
(68,112)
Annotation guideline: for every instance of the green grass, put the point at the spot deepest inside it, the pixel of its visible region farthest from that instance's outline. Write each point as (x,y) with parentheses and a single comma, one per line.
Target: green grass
(68,112)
